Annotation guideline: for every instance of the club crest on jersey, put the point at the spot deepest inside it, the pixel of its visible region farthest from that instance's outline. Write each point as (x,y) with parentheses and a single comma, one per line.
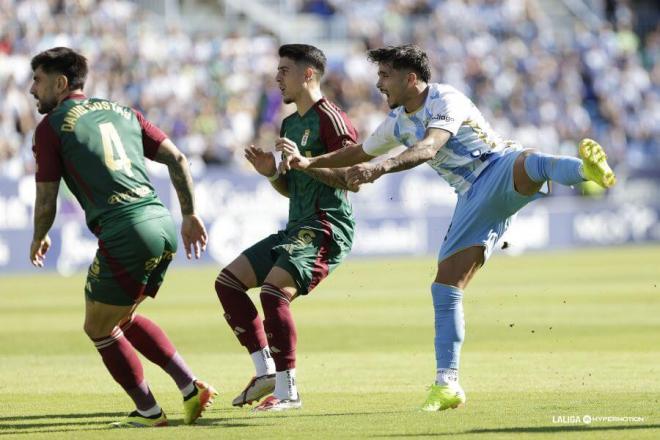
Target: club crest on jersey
(303,141)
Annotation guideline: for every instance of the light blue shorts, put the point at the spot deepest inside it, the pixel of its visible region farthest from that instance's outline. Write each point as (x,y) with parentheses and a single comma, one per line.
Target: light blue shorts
(484,212)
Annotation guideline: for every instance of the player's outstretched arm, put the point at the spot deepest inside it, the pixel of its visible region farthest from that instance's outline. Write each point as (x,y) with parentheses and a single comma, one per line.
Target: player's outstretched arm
(45,208)
(193,231)
(343,157)
(419,153)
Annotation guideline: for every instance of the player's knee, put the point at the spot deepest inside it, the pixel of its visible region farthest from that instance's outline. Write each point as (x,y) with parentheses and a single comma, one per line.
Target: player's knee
(228,284)
(274,299)
(458,269)
(458,280)
(94,331)
(522,182)
(451,280)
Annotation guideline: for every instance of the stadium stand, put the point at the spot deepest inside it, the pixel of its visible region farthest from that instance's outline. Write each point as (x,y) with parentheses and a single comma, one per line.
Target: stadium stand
(214,92)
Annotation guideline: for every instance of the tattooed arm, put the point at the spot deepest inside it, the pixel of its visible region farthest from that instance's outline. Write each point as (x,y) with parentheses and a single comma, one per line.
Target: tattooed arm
(421,152)
(177,164)
(45,207)
(193,231)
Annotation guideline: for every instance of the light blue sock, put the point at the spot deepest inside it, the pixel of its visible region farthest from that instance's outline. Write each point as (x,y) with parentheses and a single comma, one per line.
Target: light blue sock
(449,324)
(561,169)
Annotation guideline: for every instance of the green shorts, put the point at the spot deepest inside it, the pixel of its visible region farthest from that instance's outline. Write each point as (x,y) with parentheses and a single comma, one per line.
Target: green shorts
(308,252)
(131,262)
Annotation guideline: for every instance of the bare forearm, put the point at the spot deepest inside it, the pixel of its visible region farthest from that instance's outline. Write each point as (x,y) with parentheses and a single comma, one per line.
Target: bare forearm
(334,177)
(177,165)
(44,216)
(183,184)
(280,186)
(45,207)
(416,155)
(344,157)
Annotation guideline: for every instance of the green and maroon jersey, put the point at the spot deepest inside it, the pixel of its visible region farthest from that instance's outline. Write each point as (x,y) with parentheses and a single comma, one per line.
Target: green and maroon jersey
(98,147)
(322,129)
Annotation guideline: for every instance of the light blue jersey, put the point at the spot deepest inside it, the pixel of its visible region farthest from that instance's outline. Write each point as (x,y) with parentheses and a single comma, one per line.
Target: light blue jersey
(471,148)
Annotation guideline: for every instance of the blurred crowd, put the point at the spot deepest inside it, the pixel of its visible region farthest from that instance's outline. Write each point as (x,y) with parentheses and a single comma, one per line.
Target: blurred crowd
(214,94)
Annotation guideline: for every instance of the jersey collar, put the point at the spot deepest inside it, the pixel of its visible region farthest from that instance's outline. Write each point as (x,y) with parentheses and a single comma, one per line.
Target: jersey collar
(75,95)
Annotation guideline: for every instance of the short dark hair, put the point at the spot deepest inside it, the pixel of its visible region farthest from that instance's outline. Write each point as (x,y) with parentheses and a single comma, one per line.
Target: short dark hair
(304,54)
(408,56)
(65,61)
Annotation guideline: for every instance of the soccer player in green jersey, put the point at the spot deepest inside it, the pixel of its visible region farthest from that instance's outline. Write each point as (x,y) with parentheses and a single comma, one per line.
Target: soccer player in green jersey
(98,147)
(317,237)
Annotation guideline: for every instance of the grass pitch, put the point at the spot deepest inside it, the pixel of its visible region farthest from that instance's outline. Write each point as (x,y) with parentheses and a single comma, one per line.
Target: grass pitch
(551,338)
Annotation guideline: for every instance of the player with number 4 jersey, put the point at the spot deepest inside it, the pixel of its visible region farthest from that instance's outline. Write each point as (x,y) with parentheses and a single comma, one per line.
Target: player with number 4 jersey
(98,147)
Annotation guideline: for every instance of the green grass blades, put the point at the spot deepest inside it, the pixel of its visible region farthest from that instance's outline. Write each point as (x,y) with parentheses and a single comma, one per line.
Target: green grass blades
(551,338)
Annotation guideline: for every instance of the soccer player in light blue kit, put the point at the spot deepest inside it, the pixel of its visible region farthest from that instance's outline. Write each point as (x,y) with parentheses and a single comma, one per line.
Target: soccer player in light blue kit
(493,178)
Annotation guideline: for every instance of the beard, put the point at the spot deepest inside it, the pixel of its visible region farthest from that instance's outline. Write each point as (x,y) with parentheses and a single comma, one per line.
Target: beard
(46,105)
(393,105)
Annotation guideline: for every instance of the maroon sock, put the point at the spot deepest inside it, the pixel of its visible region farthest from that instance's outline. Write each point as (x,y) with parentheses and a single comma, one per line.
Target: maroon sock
(153,343)
(279,325)
(123,364)
(240,312)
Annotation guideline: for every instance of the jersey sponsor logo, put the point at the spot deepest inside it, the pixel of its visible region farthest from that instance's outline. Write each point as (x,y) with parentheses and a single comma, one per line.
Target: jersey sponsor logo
(95,268)
(151,264)
(131,195)
(305,137)
(303,239)
(439,117)
(306,236)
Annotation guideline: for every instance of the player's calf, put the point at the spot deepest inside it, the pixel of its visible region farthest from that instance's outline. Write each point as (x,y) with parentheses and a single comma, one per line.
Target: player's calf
(240,312)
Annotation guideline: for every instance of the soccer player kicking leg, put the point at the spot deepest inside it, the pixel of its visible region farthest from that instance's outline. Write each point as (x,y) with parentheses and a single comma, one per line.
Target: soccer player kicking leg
(493,179)
(474,229)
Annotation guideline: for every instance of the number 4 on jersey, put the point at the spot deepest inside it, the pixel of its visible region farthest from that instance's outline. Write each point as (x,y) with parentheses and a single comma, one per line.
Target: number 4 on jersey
(113,149)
